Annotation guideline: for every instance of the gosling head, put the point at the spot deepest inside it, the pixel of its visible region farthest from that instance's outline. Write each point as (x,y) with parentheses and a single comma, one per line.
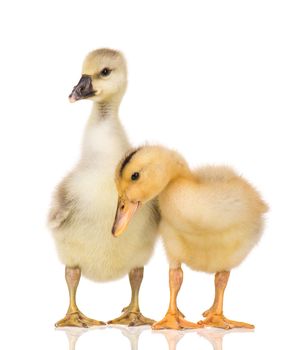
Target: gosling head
(104,77)
(140,176)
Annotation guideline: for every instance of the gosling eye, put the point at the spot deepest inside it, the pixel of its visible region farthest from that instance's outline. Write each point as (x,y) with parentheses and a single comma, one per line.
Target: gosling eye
(135,176)
(105,72)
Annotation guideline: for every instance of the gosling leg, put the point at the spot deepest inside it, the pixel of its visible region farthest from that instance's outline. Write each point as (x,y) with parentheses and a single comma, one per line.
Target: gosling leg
(131,314)
(74,317)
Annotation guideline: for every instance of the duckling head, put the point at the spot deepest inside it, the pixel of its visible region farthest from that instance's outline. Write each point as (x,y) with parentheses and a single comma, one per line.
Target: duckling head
(104,77)
(141,175)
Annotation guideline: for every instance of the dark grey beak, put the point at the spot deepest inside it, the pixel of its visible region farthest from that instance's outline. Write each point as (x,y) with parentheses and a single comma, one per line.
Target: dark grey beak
(83,89)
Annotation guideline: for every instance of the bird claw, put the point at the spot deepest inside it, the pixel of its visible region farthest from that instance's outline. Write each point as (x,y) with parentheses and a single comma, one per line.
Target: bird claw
(78,319)
(207,312)
(131,319)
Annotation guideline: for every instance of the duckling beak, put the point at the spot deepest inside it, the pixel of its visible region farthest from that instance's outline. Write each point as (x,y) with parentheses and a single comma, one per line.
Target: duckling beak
(83,89)
(124,214)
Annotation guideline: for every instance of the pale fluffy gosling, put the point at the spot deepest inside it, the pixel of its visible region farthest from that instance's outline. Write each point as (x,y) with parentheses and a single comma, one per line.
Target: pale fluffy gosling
(85,201)
(210,220)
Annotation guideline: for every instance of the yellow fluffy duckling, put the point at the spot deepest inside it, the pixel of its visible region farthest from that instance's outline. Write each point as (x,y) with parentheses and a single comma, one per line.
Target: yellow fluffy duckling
(84,203)
(210,220)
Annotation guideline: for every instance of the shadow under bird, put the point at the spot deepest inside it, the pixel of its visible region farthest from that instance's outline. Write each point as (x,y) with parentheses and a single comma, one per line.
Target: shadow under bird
(211,218)
(84,203)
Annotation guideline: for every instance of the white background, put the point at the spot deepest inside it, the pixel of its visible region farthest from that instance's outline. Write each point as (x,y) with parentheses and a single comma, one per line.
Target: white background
(222,82)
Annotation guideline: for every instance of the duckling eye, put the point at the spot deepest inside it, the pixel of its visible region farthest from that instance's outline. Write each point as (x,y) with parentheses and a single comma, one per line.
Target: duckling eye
(135,176)
(105,72)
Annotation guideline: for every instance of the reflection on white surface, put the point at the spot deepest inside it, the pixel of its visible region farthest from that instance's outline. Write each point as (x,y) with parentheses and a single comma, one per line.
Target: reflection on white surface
(73,335)
(172,337)
(215,336)
(133,334)
(212,335)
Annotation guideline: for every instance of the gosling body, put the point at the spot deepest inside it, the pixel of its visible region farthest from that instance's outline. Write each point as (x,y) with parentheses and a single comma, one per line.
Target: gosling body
(85,202)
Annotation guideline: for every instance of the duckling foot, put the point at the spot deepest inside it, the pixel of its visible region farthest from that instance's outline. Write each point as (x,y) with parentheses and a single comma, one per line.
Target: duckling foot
(220,321)
(207,312)
(78,319)
(174,321)
(131,319)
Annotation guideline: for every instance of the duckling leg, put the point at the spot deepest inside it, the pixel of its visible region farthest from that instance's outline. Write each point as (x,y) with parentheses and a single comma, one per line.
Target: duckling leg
(214,316)
(174,318)
(131,314)
(75,318)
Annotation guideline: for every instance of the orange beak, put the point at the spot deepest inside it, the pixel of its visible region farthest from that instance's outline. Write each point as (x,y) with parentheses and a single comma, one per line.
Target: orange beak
(124,214)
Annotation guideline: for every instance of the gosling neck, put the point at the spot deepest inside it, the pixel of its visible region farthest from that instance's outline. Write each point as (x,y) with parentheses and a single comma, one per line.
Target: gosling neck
(104,110)
(104,136)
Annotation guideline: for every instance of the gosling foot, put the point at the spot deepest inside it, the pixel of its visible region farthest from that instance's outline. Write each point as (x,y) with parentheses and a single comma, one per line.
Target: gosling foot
(174,321)
(220,321)
(78,319)
(131,319)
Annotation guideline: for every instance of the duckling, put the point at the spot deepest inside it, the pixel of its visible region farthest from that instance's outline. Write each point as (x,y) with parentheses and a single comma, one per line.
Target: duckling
(210,220)
(84,203)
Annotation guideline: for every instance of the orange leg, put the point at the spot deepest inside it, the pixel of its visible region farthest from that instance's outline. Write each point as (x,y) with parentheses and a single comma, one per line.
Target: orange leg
(214,316)
(174,318)
(74,317)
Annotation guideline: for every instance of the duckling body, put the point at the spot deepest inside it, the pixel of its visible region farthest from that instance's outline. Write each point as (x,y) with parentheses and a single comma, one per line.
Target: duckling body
(210,220)
(85,202)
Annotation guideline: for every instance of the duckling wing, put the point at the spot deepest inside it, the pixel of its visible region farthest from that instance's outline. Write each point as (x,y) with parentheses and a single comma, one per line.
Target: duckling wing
(227,199)
(217,201)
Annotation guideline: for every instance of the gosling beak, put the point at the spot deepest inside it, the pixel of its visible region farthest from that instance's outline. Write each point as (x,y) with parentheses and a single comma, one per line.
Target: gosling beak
(83,89)
(125,212)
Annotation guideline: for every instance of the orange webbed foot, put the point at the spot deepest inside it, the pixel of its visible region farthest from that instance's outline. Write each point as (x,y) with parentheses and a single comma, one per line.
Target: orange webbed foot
(174,321)
(220,321)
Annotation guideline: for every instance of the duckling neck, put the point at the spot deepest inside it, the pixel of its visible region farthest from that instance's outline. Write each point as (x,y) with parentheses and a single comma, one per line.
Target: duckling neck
(178,168)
